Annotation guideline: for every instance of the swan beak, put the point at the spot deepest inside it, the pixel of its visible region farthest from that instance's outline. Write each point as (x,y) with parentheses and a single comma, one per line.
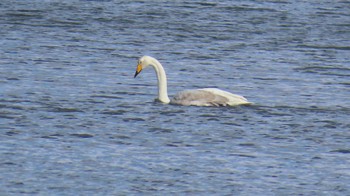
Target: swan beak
(138,70)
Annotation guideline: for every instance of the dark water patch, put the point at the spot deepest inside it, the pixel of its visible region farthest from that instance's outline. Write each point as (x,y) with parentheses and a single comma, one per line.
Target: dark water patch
(12,133)
(328,124)
(345,83)
(64,23)
(7,163)
(210,140)
(279,137)
(275,111)
(325,47)
(268,79)
(173,144)
(114,112)
(243,155)
(171,112)
(326,70)
(316,158)
(12,79)
(122,137)
(118,142)
(232,124)
(10,115)
(247,144)
(343,151)
(82,135)
(25,14)
(52,136)
(13,107)
(133,119)
(160,130)
(213,119)
(179,144)
(208,4)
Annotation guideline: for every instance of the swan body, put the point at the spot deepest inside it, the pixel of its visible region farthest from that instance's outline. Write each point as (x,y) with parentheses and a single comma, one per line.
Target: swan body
(197,97)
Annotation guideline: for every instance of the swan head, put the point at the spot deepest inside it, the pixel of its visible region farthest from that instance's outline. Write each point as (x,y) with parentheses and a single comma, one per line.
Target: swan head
(142,63)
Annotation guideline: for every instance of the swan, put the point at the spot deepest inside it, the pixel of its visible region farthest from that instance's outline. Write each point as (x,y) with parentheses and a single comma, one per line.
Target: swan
(197,97)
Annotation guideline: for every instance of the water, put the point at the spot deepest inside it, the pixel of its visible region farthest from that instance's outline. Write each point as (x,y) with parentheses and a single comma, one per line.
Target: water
(74,121)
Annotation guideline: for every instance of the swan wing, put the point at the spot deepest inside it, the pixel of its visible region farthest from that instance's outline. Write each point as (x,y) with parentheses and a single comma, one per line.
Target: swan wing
(208,97)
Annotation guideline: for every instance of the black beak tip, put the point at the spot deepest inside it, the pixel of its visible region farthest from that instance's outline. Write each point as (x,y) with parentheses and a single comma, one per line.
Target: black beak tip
(136,73)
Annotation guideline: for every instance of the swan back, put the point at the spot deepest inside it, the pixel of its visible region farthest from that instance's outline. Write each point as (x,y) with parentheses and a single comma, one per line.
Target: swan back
(208,97)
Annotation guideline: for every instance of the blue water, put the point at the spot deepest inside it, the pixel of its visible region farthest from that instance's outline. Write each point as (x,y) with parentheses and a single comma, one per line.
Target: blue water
(74,121)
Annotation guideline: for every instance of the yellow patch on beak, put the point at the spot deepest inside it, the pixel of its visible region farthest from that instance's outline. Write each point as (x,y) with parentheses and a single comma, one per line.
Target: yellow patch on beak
(138,70)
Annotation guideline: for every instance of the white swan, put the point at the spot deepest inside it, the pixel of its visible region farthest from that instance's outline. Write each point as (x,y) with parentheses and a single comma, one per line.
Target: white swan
(198,97)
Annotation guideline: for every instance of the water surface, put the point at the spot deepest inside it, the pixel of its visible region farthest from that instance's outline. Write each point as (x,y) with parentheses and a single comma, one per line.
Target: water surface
(73,120)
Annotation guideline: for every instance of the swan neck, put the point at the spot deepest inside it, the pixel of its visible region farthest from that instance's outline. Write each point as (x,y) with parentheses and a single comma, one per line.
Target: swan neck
(162,82)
